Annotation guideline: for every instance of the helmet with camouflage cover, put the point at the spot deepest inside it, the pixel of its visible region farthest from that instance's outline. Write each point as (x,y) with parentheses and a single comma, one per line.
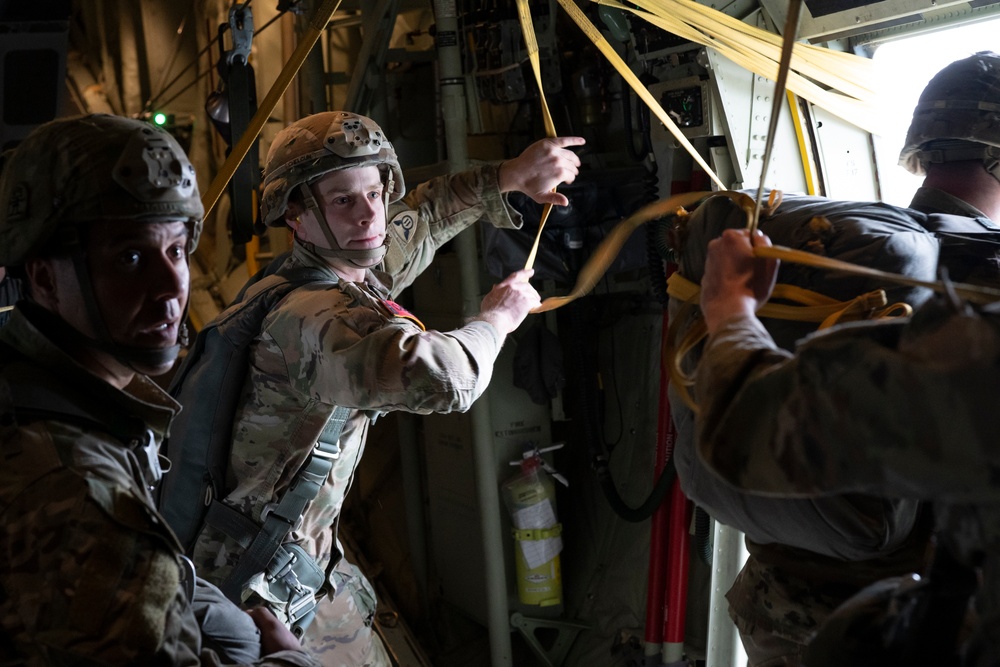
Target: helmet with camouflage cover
(72,171)
(319,144)
(957,117)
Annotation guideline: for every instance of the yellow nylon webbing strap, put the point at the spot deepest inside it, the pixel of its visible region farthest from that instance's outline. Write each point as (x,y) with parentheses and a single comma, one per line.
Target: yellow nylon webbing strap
(973,293)
(531,43)
(609,247)
(672,354)
(842,83)
(622,67)
(815,307)
(288,72)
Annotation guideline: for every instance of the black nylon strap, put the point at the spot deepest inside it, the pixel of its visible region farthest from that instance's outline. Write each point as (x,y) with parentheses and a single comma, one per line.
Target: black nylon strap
(281,518)
(232,522)
(276,526)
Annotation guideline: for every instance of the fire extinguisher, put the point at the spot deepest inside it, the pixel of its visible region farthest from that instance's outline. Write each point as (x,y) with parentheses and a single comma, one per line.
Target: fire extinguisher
(530,496)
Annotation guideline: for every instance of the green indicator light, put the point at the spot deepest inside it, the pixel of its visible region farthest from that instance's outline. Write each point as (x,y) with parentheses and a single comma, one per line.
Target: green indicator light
(159,118)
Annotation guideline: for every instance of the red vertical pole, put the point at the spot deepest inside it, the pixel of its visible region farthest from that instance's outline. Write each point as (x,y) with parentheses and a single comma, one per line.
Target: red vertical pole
(678,553)
(656,585)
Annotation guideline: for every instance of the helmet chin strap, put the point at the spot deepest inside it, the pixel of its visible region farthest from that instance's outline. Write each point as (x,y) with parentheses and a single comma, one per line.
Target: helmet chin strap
(373,255)
(369,256)
(127,354)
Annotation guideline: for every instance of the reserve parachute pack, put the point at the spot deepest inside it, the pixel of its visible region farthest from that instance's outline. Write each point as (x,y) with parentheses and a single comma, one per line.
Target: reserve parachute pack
(209,384)
(872,234)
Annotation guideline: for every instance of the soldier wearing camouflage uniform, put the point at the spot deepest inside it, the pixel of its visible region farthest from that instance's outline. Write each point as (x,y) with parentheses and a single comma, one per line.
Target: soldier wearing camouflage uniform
(100,214)
(334,179)
(827,548)
(902,409)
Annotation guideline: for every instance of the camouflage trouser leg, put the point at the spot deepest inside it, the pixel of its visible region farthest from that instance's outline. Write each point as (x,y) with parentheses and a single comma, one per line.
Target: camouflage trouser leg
(765,649)
(341,635)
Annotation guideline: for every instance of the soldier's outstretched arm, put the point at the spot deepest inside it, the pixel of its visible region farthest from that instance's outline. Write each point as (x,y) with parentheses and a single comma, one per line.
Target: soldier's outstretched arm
(903,408)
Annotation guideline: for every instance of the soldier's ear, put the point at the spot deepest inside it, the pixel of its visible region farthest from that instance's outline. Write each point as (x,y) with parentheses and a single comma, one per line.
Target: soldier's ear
(293,211)
(43,281)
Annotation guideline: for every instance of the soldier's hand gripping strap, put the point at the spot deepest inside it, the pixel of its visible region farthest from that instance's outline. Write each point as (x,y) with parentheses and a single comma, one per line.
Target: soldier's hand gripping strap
(289,571)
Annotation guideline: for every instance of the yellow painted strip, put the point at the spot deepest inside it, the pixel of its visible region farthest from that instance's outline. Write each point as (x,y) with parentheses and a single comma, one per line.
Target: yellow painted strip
(252,248)
(196,322)
(805,154)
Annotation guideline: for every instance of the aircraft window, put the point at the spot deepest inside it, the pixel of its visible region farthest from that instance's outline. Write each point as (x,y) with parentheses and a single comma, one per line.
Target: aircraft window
(904,67)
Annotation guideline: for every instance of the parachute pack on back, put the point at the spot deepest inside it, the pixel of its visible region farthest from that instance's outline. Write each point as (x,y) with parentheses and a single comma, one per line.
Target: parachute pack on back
(871,234)
(208,385)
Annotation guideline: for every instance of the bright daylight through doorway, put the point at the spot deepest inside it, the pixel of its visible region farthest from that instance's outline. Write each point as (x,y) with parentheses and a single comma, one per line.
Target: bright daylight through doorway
(904,67)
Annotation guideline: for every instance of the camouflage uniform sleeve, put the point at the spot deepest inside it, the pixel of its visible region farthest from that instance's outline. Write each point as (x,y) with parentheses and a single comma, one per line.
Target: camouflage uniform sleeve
(80,584)
(865,407)
(341,352)
(435,212)
(89,580)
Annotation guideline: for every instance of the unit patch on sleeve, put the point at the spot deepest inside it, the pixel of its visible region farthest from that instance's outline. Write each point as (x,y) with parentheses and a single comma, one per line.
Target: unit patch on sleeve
(396,310)
(402,225)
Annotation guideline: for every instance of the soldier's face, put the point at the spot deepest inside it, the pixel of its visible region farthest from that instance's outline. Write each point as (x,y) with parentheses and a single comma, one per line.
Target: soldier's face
(141,278)
(139,273)
(351,200)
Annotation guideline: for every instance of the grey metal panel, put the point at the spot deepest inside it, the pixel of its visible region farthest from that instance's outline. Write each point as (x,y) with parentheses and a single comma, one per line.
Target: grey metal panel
(858,20)
(848,157)
(930,21)
(744,100)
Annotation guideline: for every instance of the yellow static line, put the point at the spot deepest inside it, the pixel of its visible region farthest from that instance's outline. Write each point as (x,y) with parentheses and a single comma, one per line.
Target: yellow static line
(528,29)
(288,72)
(842,83)
(972,293)
(616,61)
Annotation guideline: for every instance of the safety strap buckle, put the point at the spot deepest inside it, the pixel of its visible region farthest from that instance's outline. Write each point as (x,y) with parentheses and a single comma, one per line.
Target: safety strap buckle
(302,603)
(327,450)
(302,599)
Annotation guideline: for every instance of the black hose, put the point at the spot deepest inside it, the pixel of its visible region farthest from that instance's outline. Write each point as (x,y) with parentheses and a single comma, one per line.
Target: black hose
(590,420)
(653,500)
